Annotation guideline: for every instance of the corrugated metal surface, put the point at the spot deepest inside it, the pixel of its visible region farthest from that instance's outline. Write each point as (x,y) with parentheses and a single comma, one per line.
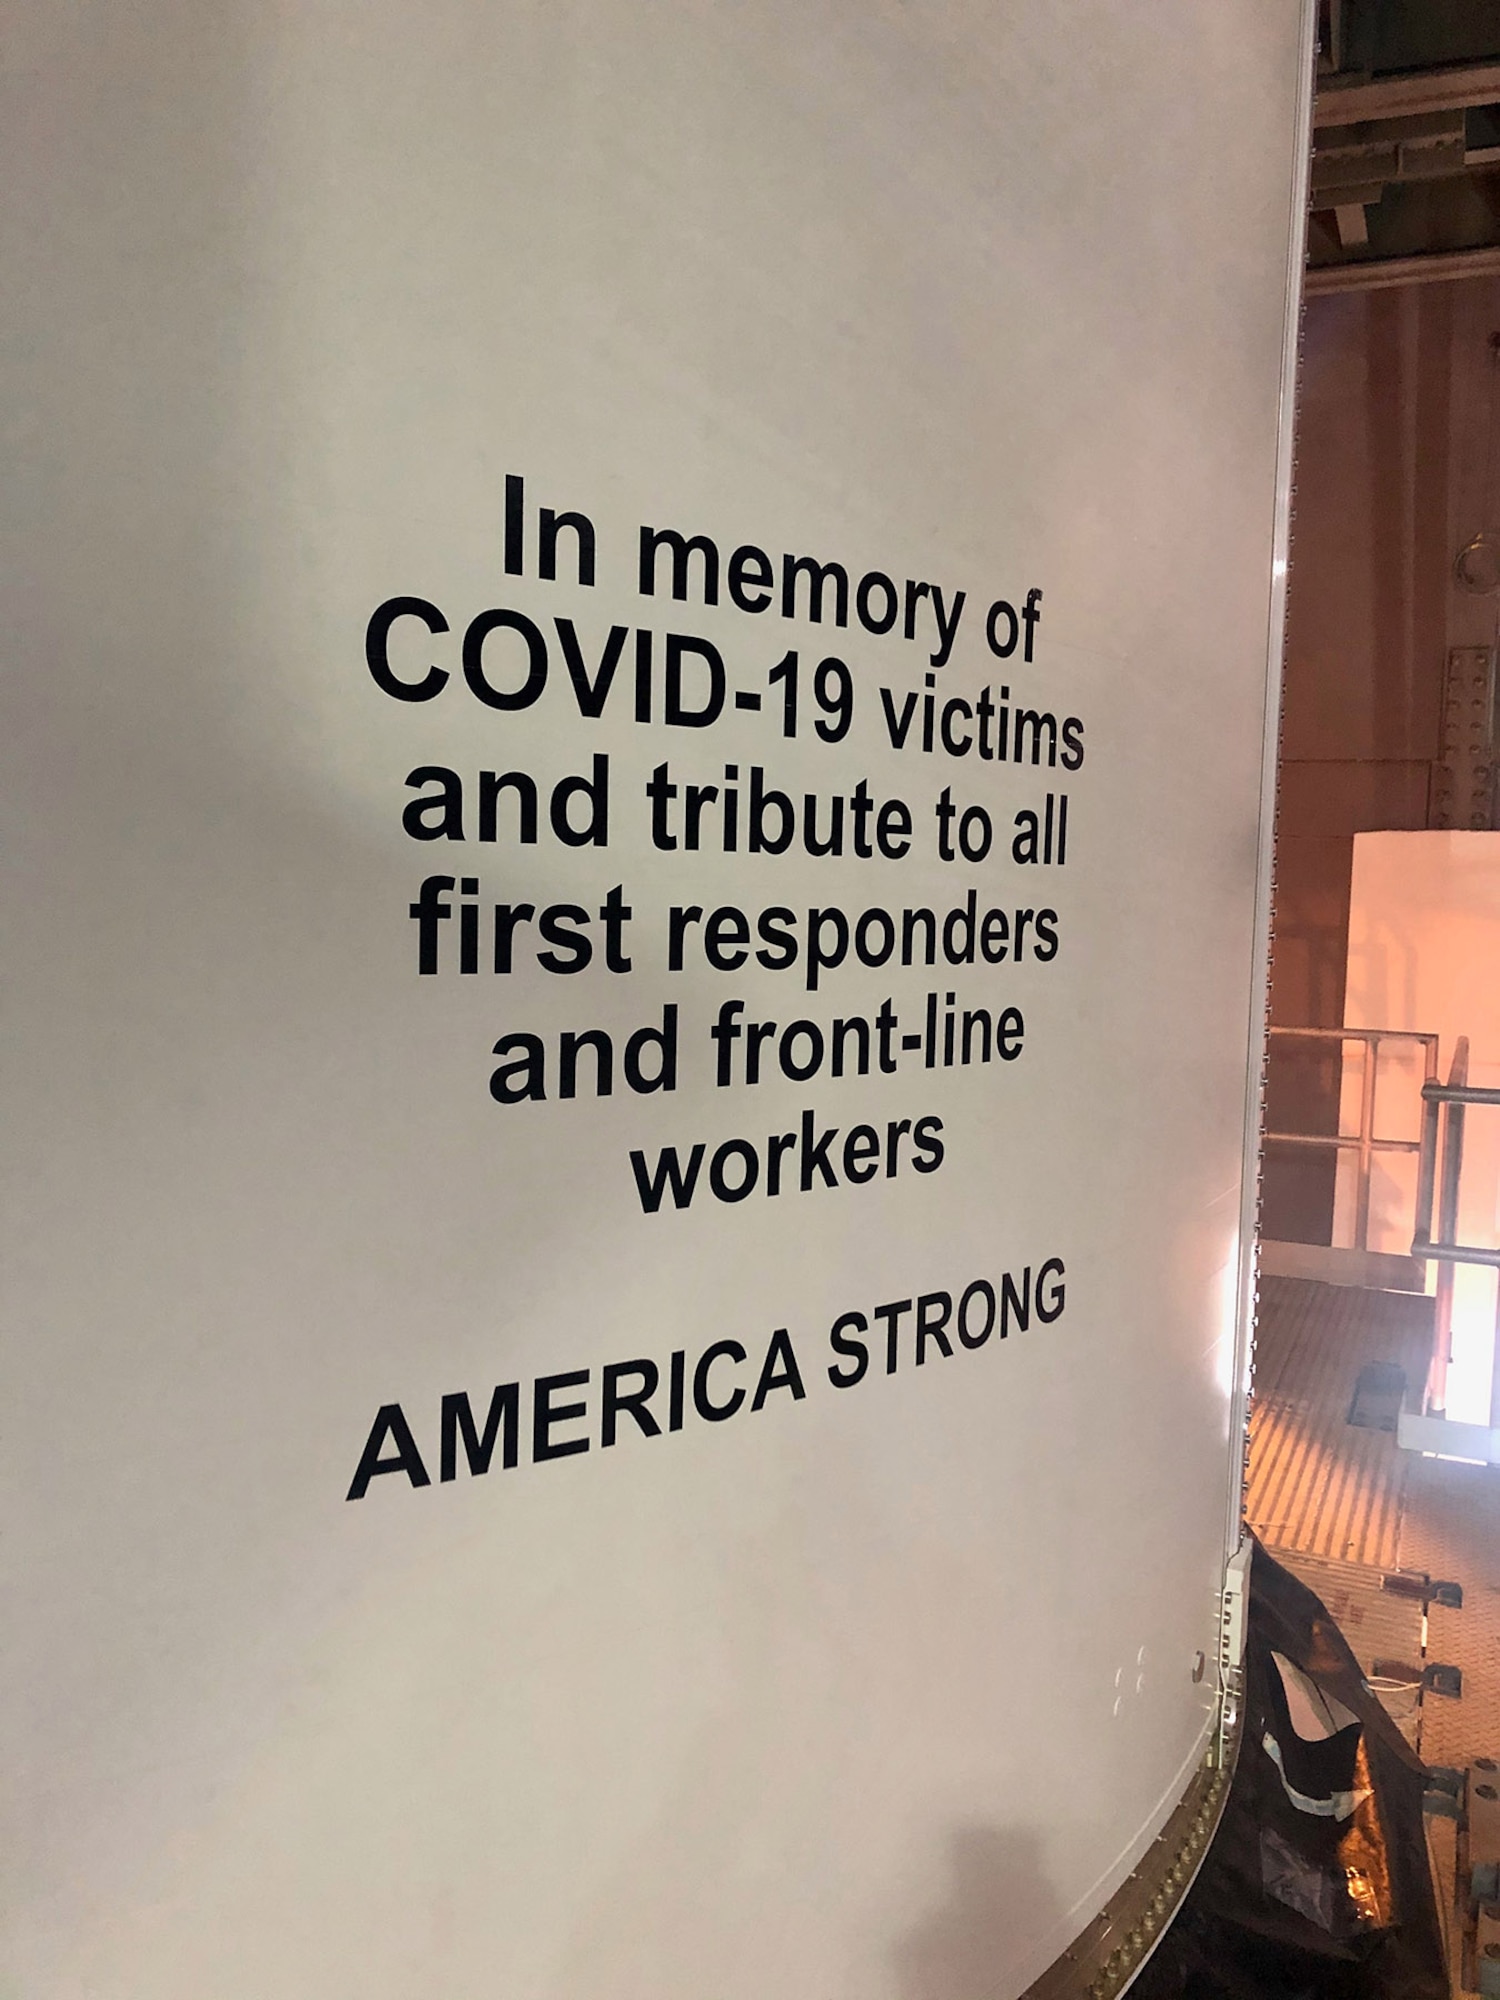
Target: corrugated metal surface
(1316,1484)
(1341,1506)
(1452,1529)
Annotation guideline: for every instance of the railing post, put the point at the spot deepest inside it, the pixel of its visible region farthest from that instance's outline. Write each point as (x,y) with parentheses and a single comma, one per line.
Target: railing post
(1426,1176)
(1447,1229)
(1442,1343)
(1453,1147)
(1366,1143)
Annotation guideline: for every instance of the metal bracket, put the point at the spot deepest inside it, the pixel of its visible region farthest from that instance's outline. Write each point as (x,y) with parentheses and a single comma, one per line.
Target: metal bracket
(1463,780)
(1233,1611)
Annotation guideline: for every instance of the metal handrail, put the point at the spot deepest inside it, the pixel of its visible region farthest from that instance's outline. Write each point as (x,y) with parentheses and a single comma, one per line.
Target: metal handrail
(1454,1097)
(1364,1141)
(1440,1163)
(1457,1253)
(1439,1176)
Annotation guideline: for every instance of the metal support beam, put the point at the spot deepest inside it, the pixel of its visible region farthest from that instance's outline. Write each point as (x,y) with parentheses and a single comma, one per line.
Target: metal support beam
(1354,227)
(1378,274)
(1409,94)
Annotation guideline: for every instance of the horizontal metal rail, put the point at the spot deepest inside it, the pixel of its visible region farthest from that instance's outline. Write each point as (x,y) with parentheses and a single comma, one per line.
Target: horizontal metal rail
(1471,1093)
(1343,1139)
(1357,1035)
(1457,1253)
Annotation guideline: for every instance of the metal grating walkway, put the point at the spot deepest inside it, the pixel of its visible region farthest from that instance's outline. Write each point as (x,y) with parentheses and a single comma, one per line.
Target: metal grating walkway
(1316,1484)
(1452,1529)
(1343,1508)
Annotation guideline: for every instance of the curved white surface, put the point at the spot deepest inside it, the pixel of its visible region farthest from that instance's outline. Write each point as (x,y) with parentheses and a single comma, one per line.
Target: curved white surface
(872,1692)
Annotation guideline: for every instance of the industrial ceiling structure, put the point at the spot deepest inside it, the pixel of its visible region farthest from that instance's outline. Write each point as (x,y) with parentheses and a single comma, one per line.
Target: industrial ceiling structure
(1406,160)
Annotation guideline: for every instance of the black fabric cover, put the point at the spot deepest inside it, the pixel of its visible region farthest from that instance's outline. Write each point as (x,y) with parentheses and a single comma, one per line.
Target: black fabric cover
(1293,1903)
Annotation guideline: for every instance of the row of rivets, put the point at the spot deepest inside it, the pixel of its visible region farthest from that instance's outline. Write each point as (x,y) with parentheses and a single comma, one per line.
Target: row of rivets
(1124,1957)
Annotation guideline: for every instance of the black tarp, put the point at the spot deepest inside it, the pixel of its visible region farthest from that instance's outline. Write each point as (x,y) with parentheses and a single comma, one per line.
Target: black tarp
(1317,1881)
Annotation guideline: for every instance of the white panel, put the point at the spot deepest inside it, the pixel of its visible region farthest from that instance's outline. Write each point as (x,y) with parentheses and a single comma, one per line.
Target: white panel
(874,1692)
(1424,940)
